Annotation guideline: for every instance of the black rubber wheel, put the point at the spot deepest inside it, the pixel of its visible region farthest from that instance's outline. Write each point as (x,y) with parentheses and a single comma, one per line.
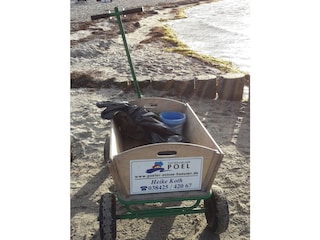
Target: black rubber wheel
(217,211)
(106,150)
(107,217)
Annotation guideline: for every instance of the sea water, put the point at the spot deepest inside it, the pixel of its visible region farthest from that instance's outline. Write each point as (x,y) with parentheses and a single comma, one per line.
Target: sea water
(219,29)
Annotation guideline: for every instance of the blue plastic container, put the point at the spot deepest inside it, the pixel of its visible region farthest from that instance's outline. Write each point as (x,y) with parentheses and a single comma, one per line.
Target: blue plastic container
(174,120)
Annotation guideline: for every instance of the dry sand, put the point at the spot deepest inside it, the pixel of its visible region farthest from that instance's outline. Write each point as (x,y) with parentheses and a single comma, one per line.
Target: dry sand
(100,59)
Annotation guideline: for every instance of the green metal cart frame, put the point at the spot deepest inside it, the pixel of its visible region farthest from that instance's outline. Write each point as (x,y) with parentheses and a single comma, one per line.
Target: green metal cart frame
(118,158)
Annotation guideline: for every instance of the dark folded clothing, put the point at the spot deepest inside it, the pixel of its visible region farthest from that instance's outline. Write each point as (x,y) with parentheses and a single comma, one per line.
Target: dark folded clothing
(137,122)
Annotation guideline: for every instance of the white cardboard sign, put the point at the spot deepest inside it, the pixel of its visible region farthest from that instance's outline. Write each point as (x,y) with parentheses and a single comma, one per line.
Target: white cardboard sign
(165,175)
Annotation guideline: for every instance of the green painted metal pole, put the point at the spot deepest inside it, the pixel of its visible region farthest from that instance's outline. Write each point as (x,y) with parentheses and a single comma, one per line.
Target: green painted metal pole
(135,82)
(150,213)
(160,212)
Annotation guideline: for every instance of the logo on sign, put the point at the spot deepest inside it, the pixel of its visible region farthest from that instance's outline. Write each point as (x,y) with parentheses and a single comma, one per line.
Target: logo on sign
(156,167)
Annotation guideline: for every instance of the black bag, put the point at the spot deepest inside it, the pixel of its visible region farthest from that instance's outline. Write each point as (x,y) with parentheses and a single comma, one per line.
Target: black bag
(138,123)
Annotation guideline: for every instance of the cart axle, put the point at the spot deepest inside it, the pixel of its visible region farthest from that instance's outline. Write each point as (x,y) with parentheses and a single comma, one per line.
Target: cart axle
(165,211)
(160,212)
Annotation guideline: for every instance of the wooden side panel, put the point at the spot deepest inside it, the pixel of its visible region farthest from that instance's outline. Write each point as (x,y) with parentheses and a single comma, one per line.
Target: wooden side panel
(116,143)
(121,162)
(196,132)
(158,105)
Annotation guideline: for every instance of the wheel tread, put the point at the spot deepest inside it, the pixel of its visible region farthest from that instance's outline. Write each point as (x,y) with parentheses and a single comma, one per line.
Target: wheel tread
(217,211)
(107,217)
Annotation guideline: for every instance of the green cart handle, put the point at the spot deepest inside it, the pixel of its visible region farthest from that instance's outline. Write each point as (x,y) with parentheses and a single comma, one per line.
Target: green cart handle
(124,12)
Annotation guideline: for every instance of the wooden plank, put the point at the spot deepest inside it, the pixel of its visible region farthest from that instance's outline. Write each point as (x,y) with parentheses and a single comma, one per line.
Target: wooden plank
(196,132)
(211,161)
(116,143)
(206,86)
(231,86)
(158,105)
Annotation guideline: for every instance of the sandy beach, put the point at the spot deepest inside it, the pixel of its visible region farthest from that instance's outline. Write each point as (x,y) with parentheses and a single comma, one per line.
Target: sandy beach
(99,72)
